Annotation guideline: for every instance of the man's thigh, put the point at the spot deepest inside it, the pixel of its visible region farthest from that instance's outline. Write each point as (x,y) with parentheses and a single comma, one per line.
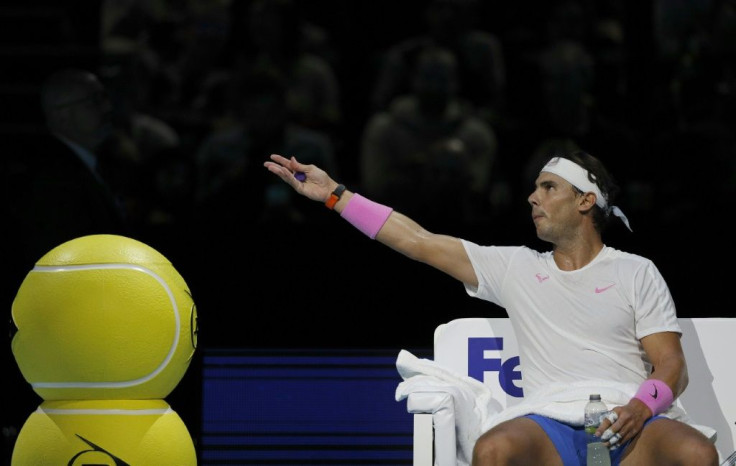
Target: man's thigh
(664,440)
(522,440)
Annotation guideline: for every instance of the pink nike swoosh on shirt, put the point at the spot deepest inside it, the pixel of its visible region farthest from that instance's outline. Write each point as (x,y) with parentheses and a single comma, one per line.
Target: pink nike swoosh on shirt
(601,290)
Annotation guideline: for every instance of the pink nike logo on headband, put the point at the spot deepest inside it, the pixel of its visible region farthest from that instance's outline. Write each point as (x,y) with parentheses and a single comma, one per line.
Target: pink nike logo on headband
(541,277)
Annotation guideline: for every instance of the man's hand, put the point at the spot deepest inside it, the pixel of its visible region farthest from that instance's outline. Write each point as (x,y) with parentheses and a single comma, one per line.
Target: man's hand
(317,185)
(623,423)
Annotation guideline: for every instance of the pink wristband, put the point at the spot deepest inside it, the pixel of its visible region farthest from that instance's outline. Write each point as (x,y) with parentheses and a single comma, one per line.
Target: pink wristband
(656,394)
(365,215)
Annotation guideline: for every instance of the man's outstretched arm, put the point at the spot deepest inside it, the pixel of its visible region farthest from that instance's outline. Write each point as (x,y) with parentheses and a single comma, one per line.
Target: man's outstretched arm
(394,229)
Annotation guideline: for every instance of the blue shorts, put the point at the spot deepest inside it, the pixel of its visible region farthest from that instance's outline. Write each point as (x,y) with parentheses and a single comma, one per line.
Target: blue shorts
(571,441)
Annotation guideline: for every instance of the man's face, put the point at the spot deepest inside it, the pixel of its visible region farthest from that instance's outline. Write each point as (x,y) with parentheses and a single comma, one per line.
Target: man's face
(554,204)
(87,112)
(94,116)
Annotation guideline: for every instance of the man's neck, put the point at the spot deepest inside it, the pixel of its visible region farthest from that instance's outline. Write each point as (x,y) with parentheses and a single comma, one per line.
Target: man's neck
(577,254)
(84,154)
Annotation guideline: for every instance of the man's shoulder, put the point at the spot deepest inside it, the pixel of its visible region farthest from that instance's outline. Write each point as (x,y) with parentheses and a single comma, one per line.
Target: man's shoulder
(517,251)
(620,255)
(627,264)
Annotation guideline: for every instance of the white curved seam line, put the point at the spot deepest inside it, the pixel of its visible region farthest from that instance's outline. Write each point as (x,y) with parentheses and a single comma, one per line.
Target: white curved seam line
(164,363)
(105,412)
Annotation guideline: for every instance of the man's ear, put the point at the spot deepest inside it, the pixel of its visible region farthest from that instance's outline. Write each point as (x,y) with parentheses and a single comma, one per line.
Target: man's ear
(587,201)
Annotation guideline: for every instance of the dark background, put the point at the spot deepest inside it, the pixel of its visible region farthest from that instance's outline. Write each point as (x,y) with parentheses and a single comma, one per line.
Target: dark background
(320,283)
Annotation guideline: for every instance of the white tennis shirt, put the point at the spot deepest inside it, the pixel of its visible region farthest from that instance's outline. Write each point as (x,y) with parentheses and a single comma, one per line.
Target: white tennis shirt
(576,325)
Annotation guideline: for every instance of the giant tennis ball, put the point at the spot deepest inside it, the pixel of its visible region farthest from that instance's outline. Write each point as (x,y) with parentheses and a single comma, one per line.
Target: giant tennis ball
(104,433)
(103,317)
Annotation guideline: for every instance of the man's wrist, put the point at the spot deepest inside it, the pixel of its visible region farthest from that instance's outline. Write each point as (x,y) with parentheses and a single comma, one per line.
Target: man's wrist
(366,215)
(335,196)
(656,395)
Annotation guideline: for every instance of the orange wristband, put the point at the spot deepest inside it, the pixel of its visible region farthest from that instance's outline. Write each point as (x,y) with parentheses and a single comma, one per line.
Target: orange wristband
(335,196)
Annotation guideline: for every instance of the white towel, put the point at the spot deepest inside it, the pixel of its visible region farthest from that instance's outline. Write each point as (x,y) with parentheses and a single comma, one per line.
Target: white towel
(476,411)
(472,399)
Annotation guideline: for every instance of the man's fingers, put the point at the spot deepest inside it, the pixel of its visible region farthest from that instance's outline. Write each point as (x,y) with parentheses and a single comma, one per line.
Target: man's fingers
(284,173)
(613,438)
(611,417)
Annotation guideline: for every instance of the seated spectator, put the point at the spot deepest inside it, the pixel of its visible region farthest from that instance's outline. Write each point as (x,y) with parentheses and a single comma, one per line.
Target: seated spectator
(428,154)
(227,162)
(480,59)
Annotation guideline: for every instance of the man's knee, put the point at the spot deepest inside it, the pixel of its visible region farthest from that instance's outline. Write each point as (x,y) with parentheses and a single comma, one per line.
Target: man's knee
(493,447)
(517,440)
(699,452)
(669,442)
(691,453)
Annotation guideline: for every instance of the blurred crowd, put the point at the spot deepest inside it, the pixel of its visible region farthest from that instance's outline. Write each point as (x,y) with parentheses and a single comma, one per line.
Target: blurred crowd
(442,109)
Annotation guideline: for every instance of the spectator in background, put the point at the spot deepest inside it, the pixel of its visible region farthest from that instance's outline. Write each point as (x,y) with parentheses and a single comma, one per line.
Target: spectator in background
(180,51)
(128,76)
(428,153)
(201,33)
(226,177)
(566,115)
(139,136)
(276,41)
(51,193)
(481,68)
(238,206)
(56,192)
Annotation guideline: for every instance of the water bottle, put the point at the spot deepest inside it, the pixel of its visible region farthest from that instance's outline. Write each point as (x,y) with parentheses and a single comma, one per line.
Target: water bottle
(598,455)
(595,410)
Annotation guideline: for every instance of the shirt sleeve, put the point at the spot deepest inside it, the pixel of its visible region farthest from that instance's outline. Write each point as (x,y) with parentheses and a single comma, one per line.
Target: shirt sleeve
(654,307)
(491,264)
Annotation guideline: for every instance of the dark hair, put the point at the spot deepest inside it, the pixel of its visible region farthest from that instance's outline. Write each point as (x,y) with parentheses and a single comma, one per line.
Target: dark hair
(598,174)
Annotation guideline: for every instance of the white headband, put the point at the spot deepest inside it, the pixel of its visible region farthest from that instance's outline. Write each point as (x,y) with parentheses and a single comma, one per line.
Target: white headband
(578,177)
